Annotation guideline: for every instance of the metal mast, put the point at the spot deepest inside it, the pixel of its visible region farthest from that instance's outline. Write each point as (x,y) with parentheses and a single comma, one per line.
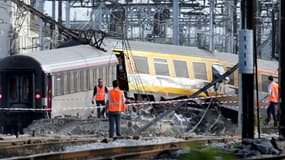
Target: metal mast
(282,69)
(175,22)
(246,38)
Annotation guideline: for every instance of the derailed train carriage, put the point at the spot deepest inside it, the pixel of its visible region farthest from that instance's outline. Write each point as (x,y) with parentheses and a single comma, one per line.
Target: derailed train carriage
(155,70)
(43,84)
(161,72)
(60,81)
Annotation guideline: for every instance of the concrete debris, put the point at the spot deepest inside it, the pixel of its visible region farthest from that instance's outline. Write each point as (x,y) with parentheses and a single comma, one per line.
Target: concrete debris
(255,147)
(176,124)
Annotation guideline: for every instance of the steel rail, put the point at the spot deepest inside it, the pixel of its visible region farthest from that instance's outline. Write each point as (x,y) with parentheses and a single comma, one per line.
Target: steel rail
(124,151)
(37,146)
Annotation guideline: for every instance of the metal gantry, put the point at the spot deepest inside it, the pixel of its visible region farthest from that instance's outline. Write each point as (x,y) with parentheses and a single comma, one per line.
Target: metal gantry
(210,24)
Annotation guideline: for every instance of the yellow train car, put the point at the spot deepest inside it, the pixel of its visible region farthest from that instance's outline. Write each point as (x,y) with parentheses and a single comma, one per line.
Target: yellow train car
(160,70)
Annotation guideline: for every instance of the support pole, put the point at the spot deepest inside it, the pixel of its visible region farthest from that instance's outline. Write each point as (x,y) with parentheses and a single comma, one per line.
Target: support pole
(212,29)
(67,14)
(59,9)
(41,39)
(246,90)
(53,9)
(282,69)
(235,24)
(273,33)
(175,22)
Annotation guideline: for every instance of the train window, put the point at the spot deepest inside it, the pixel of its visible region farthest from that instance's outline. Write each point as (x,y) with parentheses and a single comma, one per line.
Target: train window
(87,71)
(101,74)
(26,87)
(105,75)
(58,79)
(12,87)
(114,74)
(108,74)
(91,78)
(81,81)
(75,76)
(71,82)
(217,71)
(181,69)
(84,79)
(65,80)
(61,84)
(141,64)
(161,66)
(231,77)
(200,70)
(95,76)
(77,80)
(68,81)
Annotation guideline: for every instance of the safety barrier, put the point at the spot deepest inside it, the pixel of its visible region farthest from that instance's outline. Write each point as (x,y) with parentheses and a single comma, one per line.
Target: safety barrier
(143,103)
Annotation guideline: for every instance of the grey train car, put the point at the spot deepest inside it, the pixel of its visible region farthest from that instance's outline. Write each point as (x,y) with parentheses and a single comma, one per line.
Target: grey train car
(50,83)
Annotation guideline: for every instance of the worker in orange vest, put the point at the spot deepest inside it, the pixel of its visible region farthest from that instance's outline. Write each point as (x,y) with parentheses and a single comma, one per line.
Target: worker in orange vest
(273,97)
(115,105)
(99,95)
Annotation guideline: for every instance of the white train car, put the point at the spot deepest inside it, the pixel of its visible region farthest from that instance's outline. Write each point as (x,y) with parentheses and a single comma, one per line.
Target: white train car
(74,72)
(57,82)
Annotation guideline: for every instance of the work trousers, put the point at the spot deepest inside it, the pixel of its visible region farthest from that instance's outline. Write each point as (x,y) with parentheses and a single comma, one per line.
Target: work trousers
(272,110)
(114,119)
(100,111)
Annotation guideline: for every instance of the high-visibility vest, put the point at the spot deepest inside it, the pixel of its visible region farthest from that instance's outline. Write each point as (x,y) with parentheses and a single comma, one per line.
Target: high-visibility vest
(100,93)
(273,95)
(116,101)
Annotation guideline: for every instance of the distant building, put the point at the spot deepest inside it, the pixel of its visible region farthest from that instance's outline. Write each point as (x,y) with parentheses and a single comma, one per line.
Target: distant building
(5,28)
(18,34)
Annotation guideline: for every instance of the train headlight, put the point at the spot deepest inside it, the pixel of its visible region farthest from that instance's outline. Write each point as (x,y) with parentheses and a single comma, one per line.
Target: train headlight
(38,96)
(1,96)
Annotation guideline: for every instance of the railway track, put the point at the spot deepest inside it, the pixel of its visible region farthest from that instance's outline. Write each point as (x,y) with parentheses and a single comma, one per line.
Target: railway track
(40,150)
(36,145)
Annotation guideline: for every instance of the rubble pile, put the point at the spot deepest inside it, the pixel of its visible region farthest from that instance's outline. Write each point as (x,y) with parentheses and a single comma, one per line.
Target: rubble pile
(254,147)
(187,121)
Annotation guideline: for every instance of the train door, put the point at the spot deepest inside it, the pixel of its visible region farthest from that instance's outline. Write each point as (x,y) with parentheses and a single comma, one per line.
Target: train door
(122,73)
(20,90)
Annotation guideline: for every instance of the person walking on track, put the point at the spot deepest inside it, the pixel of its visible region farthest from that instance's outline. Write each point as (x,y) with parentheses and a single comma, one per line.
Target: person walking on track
(99,95)
(115,105)
(273,98)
